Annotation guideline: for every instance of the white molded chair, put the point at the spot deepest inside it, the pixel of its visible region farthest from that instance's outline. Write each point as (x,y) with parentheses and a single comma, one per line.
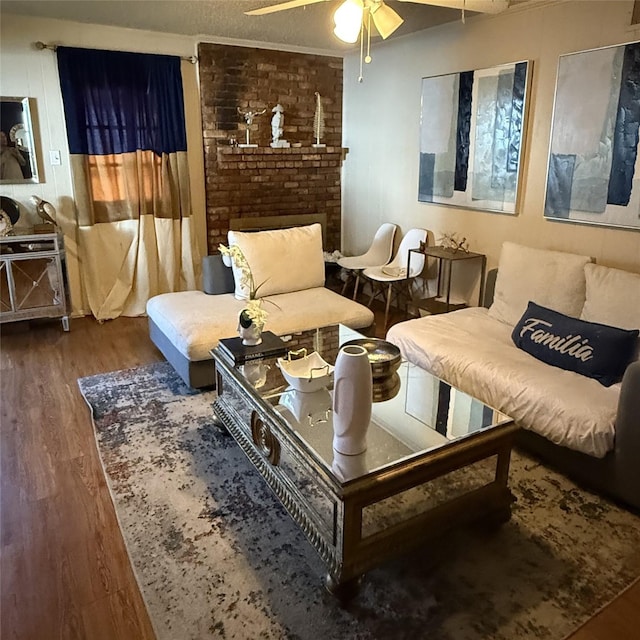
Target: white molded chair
(398,273)
(378,254)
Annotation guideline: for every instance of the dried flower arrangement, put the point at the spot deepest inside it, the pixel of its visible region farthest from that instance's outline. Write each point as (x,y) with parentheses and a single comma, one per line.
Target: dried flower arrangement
(451,242)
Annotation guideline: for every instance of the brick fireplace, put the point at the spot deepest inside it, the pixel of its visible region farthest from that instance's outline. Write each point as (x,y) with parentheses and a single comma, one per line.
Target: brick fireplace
(260,181)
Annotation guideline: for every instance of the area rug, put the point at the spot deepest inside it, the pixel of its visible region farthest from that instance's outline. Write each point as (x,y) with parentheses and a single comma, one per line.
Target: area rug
(216,556)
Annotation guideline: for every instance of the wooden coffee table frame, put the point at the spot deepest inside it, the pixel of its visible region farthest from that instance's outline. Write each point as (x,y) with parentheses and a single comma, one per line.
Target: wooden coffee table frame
(335,531)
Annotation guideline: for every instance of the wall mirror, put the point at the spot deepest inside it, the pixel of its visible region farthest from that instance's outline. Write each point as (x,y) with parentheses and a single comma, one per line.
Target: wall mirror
(472,128)
(18,161)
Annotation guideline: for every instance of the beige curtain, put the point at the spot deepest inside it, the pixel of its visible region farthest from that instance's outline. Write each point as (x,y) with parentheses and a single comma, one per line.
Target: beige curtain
(135,229)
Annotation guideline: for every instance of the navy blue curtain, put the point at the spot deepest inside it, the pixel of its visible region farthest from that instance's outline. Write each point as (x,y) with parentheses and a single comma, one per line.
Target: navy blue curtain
(117,102)
(127,137)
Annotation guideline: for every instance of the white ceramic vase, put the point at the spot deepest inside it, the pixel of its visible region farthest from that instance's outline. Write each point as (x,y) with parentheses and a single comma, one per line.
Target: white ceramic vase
(251,335)
(352,384)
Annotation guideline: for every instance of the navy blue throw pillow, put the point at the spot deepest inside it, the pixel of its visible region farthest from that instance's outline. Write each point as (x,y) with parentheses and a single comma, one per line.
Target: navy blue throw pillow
(591,349)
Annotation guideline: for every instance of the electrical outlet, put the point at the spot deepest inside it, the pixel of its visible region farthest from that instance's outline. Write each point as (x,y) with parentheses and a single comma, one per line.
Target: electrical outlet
(54,156)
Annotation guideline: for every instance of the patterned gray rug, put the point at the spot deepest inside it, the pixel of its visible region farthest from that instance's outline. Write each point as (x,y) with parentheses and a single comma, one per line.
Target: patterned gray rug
(216,556)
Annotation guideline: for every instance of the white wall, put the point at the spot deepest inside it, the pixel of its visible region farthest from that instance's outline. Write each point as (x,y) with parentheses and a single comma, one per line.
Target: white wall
(382,116)
(26,71)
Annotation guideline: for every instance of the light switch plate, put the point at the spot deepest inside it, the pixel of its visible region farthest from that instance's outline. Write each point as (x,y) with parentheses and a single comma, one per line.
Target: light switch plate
(54,156)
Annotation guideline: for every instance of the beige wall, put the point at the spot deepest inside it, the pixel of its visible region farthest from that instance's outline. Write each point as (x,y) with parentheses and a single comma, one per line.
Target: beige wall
(381,128)
(26,71)
(381,122)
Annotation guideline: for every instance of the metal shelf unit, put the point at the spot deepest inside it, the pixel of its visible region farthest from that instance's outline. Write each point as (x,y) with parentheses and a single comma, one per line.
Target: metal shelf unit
(442,303)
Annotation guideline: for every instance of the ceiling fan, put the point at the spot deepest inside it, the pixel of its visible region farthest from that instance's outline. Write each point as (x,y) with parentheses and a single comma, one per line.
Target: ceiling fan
(352,16)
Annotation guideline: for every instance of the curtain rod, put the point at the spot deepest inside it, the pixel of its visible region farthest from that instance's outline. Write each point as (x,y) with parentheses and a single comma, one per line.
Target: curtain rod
(41,45)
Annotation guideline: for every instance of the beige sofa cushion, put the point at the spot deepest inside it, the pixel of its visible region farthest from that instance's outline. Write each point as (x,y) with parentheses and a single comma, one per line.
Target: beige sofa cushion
(194,321)
(281,260)
(475,353)
(612,297)
(552,279)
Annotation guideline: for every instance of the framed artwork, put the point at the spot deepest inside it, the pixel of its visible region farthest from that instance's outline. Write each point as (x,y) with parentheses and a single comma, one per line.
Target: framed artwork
(17,148)
(593,175)
(472,127)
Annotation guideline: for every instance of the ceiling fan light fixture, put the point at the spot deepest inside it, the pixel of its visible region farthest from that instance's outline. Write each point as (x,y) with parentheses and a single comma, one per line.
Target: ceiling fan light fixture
(348,20)
(385,19)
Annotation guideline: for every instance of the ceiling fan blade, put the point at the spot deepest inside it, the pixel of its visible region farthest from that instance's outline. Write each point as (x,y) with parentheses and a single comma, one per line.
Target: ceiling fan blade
(385,19)
(292,4)
(481,6)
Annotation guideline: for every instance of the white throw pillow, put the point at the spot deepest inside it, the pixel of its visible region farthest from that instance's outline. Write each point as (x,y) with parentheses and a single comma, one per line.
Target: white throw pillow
(613,297)
(552,279)
(281,260)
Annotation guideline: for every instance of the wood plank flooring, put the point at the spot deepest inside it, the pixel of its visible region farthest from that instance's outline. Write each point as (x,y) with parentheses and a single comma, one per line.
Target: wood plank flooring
(618,621)
(64,571)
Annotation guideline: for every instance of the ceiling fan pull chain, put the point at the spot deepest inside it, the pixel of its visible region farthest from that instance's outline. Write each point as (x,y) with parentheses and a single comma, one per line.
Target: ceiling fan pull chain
(368,56)
(361,49)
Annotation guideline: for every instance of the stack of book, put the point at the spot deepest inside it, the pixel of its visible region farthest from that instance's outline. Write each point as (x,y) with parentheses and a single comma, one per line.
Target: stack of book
(238,353)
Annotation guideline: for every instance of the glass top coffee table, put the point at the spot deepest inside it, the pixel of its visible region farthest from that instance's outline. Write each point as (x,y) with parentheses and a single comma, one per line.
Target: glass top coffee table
(436,458)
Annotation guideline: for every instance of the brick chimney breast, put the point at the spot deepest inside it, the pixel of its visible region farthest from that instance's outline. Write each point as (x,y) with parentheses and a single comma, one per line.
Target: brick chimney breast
(261,181)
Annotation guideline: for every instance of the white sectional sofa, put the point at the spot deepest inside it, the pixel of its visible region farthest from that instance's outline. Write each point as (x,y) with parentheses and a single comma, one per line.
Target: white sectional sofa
(289,266)
(589,430)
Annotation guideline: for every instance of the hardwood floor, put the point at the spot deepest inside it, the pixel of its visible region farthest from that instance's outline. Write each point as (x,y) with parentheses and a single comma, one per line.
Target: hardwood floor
(618,621)
(64,571)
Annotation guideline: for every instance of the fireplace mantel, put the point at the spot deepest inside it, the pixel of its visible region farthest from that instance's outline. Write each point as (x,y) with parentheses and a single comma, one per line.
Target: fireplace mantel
(228,155)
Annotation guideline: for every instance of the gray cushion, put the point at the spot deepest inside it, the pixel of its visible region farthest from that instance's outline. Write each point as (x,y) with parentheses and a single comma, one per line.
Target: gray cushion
(216,277)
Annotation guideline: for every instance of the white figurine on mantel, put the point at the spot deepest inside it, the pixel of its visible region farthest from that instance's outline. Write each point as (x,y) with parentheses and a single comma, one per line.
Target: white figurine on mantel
(248,118)
(277,128)
(318,123)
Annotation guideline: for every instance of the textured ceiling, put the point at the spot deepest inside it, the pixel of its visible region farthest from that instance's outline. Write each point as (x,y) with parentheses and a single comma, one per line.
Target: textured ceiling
(309,27)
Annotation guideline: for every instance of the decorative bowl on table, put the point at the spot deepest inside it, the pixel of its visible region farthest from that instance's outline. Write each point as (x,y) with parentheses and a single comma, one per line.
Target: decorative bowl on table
(308,373)
(384,357)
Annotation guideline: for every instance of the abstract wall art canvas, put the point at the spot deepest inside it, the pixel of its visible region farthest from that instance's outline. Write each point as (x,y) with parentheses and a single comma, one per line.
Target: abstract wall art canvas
(472,128)
(593,175)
